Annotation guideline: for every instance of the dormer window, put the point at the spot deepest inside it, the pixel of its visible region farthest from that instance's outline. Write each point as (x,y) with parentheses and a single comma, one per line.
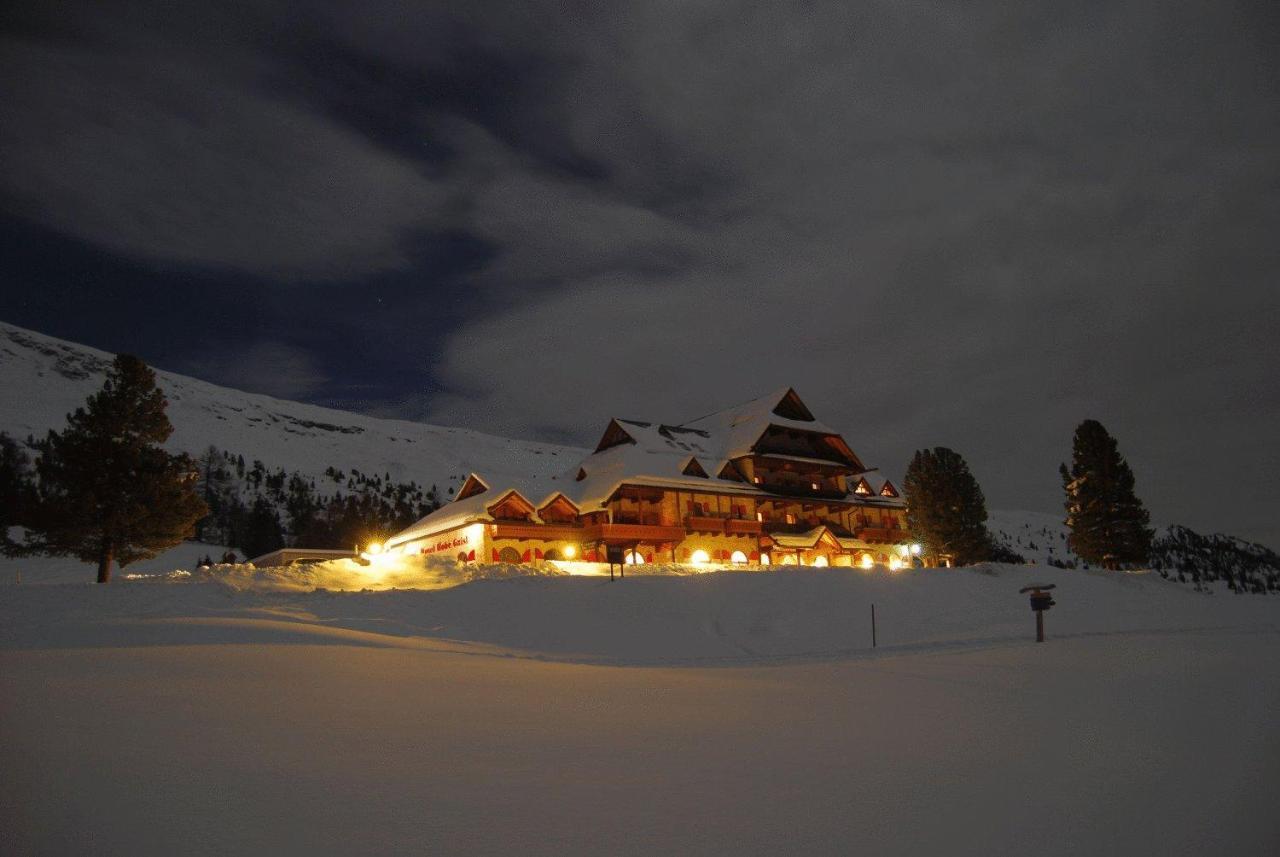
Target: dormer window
(862,488)
(694,468)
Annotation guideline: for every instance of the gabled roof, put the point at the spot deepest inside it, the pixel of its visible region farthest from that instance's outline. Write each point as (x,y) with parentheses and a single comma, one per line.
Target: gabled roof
(693,468)
(557,495)
(876,482)
(509,496)
(646,462)
(472,486)
(739,427)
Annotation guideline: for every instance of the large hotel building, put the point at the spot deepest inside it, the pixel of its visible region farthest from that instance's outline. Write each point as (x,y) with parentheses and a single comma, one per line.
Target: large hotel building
(763,483)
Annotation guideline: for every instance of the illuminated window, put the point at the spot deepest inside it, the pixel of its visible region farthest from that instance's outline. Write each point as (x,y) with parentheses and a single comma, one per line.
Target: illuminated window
(788,559)
(820,561)
(791,519)
(633,558)
(866,561)
(863,488)
(760,516)
(759,480)
(699,557)
(764,559)
(738,558)
(813,485)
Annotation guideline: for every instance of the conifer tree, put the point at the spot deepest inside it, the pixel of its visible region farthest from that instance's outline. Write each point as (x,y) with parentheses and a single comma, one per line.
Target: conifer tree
(16,491)
(1108,524)
(107,490)
(262,532)
(946,511)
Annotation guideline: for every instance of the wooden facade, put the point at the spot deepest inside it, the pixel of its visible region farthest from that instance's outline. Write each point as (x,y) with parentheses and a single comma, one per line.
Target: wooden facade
(760,484)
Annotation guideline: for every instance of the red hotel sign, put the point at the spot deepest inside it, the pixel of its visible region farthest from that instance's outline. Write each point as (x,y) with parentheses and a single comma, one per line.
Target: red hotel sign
(446,544)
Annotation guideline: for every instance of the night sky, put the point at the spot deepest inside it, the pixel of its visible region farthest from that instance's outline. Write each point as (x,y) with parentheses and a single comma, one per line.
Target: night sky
(970,225)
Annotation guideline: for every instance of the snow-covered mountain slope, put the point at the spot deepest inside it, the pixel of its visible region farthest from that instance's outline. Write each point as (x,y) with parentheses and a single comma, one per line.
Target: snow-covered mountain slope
(42,379)
(1038,537)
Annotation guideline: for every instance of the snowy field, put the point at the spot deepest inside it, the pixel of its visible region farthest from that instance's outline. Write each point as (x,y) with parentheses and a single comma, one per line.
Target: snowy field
(724,713)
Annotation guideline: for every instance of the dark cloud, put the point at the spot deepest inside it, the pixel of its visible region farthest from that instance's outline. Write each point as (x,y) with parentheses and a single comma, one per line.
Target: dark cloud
(964,225)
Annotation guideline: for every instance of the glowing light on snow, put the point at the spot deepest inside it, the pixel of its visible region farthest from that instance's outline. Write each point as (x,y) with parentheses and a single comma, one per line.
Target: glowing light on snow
(820,561)
(738,558)
(374,548)
(570,551)
(866,561)
(700,557)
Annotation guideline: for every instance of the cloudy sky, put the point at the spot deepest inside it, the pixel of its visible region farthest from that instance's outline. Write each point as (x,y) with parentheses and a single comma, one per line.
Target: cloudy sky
(959,224)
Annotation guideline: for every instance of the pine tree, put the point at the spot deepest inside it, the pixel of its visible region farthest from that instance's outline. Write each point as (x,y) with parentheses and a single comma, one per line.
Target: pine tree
(946,511)
(16,491)
(262,533)
(107,490)
(1109,525)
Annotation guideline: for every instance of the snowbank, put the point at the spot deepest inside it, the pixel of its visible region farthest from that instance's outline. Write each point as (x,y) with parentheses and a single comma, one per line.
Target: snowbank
(715,617)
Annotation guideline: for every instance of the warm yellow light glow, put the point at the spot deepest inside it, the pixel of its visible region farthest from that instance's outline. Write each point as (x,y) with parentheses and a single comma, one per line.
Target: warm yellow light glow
(374,548)
(788,559)
(905,550)
(915,550)
(633,558)
(570,551)
(820,561)
(764,559)
(894,563)
(699,557)
(866,561)
(739,558)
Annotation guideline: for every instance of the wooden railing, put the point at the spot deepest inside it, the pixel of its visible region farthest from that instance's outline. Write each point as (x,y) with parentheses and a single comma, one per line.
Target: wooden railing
(880,534)
(624,533)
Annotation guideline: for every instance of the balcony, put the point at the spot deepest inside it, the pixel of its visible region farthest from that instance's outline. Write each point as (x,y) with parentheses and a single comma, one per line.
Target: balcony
(627,534)
(529,530)
(704,523)
(743,527)
(803,489)
(880,535)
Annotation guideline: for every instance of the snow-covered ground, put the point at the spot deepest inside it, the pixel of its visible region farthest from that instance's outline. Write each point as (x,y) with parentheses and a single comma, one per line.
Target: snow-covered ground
(722,713)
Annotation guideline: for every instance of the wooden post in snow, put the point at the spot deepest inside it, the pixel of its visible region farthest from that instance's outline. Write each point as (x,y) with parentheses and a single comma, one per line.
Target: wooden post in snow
(873,625)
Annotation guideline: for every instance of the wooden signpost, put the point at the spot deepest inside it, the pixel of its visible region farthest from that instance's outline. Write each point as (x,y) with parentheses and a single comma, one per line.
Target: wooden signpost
(1041,601)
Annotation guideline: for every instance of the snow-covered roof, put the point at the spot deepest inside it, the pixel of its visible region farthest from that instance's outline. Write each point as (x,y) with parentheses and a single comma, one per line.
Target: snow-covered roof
(737,428)
(648,461)
(637,452)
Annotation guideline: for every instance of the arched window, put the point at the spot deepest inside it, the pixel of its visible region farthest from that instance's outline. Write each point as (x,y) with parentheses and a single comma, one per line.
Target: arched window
(820,561)
(462,557)
(699,557)
(509,554)
(738,558)
(633,558)
(552,554)
(764,559)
